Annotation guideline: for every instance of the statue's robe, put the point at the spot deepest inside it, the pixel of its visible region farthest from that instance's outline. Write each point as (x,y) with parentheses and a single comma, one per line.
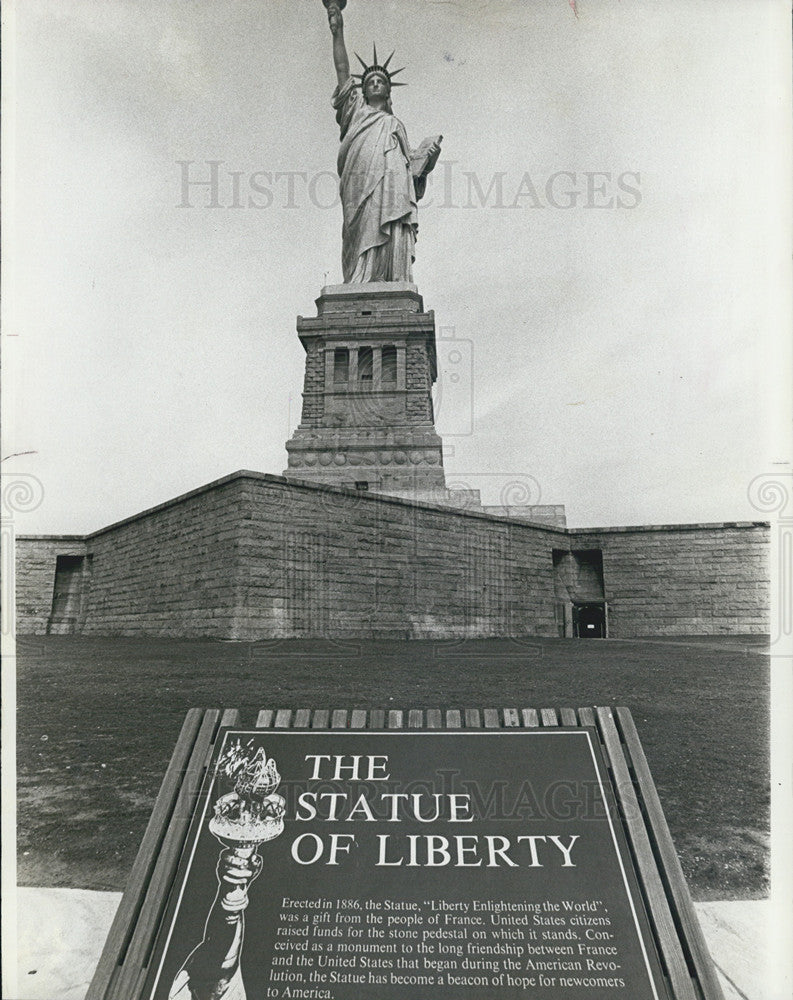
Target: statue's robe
(378,191)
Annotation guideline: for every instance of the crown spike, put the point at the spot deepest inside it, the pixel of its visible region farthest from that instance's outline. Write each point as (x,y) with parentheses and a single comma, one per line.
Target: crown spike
(400,84)
(377,68)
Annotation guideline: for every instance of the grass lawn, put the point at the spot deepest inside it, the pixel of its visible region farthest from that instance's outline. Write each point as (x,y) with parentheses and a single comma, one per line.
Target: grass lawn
(98,718)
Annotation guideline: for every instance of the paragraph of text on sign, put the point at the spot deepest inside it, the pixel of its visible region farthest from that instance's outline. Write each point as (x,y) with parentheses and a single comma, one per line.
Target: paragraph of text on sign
(552,944)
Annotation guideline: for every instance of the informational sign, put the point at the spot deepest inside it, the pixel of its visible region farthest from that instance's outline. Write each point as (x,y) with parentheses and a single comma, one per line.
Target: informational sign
(413,865)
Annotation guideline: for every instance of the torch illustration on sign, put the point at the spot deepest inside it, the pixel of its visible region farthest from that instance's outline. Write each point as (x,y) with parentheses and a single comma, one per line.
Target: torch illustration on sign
(246,815)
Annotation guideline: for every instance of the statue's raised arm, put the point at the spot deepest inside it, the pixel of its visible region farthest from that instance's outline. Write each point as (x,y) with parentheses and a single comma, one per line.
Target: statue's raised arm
(340,58)
(381,178)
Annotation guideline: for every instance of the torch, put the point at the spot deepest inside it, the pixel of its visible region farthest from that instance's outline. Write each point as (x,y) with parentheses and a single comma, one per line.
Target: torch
(244,818)
(334,6)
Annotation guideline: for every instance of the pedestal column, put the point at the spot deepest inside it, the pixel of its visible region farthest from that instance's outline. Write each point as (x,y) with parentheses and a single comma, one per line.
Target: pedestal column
(369,433)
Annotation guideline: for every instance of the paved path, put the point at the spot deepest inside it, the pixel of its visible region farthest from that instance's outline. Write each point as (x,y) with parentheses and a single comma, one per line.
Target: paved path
(61,933)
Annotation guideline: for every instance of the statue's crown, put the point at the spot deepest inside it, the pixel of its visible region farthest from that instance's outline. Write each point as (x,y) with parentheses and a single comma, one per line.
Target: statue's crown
(377,68)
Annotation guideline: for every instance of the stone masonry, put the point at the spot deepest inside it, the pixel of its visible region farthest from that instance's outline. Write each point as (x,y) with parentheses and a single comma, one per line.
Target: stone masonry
(254,557)
(684,579)
(367,418)
(35,578)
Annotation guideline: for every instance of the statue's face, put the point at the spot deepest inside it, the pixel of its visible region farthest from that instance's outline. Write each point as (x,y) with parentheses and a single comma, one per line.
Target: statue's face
(377,87)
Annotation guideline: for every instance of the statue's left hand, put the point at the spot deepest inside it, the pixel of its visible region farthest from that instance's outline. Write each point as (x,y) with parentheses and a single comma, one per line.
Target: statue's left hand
(434,153)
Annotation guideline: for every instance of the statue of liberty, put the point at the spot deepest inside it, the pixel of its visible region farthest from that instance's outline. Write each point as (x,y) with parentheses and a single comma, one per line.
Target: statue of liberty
(381,178)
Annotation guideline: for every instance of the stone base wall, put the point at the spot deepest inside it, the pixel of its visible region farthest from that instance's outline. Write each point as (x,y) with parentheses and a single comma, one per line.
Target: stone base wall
(684,579)
(170,571)
(367,414)
(36,558)
(173,570)
(340,563)
(254,557)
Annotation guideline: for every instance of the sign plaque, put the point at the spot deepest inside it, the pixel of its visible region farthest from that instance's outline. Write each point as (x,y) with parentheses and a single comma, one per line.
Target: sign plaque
(396,865)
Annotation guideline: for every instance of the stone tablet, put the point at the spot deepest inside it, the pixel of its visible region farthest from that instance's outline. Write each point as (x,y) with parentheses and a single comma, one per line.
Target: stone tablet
(343,865)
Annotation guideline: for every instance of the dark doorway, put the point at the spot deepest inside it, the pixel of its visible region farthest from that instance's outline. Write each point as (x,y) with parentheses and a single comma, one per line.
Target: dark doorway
(589,621)
(66,595)
(580,593)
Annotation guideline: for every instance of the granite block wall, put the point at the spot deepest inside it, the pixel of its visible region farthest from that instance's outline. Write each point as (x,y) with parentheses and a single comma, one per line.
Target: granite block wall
(170,571)
(36,558)
(684,579)
(418,383)
(313,386)
(340,563)
(254,556)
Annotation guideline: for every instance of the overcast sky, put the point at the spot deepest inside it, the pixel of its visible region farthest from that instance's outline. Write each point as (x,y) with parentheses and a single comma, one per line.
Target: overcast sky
(612,321)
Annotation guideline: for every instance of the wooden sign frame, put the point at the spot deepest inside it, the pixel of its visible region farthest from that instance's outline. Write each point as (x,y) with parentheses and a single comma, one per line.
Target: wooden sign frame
(687,966)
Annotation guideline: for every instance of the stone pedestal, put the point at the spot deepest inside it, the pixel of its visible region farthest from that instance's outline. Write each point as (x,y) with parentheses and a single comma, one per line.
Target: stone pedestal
(367,418)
